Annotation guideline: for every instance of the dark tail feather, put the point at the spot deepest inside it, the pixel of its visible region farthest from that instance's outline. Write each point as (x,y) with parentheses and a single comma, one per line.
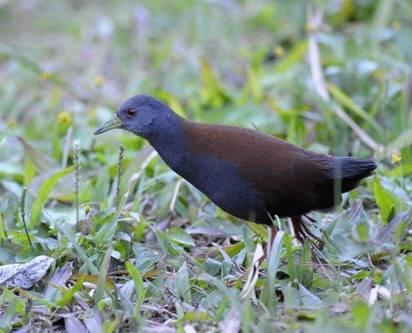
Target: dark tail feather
(350,171)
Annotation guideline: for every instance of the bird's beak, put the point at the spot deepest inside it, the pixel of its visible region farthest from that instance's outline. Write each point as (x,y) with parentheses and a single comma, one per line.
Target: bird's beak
(115,122)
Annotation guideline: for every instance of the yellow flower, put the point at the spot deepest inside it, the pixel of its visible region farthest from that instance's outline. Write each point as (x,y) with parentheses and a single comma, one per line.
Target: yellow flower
(378,74)
(98,80)
(11,124)
(87,209)
(279,51)
(45,76)
(395,158)
(64,118)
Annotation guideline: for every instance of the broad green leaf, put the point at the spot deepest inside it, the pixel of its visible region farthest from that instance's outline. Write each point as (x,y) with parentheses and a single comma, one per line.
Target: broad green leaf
(361,313)
(94,279)
(195,316)
(181,237)
(43,195)
(385,200)
(166,243)
(234,249)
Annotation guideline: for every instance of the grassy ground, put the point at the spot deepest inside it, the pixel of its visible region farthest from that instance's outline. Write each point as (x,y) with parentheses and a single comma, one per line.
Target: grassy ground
(138,248)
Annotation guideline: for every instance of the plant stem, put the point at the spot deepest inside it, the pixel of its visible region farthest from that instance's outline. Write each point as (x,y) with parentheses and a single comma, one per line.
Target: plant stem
(76,161)
(23,213)
(119,173)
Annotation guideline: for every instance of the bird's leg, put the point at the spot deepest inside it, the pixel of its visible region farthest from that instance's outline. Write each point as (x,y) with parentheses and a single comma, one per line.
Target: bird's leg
(302,232)
(309,218)
(320,243)
(297,228)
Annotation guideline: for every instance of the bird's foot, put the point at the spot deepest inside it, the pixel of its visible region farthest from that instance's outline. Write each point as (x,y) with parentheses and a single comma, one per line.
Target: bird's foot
(302,232)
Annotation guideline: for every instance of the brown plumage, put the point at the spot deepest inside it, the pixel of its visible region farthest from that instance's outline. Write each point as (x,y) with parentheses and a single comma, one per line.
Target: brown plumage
(248,174)
(292,180)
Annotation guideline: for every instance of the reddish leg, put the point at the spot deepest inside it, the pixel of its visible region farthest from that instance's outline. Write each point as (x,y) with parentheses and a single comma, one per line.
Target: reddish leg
(302,232)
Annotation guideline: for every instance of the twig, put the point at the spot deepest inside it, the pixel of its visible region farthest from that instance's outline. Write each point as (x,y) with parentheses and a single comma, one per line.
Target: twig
(174,196)
(314,22)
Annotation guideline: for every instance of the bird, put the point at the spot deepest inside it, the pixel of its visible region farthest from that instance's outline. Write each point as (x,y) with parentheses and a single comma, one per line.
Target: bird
(248,174)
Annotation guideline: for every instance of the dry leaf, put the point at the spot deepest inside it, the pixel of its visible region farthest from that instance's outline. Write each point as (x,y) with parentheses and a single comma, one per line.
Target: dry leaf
(25,275)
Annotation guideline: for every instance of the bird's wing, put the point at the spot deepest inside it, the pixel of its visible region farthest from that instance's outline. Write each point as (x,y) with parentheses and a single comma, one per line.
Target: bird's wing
(289,178)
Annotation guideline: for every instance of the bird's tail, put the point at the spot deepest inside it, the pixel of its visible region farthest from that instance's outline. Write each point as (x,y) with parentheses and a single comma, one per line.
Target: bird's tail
(349,171)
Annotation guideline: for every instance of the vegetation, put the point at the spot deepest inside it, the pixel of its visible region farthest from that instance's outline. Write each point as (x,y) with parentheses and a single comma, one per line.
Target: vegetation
(136,247)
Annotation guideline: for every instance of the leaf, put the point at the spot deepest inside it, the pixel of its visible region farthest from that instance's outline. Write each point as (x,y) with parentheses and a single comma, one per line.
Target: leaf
(253,274)
(254,85)
(212,91)
(12,305)
(166,243)
(385,200)
(59,279)
(69,294)
(385,234)
(139,287)
(307,298)
(94,279)
(105,234)
(181,237)
(43,195)
(273,258)
(304,269)
(294,56)
(402,170)
(195,316)
(25,275)
(104,268)
(93,322)
(182,284)
(82,254)
(361,314)
(74,325)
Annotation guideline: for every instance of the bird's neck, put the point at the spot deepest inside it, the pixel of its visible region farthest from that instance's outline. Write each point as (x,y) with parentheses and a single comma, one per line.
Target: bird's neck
(169,141)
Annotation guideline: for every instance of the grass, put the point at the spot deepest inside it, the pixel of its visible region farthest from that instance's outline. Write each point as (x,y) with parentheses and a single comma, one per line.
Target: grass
(135,246)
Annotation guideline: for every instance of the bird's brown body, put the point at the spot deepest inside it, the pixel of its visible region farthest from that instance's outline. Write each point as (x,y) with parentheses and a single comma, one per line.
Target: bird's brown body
(292,181)
(248,174)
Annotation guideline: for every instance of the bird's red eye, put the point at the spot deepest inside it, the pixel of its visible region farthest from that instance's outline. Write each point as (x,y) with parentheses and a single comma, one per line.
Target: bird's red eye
(131,112)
